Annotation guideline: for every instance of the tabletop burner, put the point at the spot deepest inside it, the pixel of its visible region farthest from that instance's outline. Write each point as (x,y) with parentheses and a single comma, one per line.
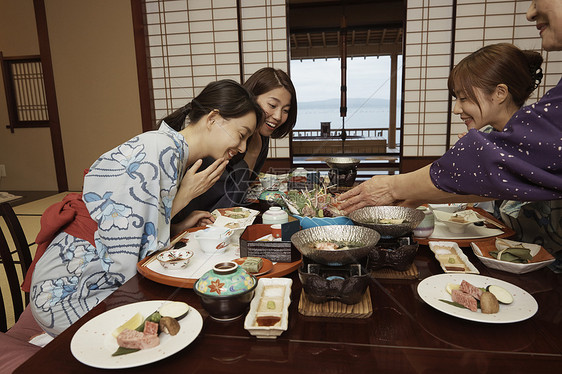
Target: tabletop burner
(396,253)
(346,283)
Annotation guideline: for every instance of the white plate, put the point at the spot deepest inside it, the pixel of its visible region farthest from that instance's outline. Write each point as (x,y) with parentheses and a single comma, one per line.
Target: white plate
(93,343)
(451,207)
(472,232)
(432,289)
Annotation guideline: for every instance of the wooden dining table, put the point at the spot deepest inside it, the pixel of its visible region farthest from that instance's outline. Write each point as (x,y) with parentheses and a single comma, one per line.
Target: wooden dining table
(402,335)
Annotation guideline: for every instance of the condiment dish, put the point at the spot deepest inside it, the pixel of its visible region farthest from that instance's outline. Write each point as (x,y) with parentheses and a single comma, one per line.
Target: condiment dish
(174,259)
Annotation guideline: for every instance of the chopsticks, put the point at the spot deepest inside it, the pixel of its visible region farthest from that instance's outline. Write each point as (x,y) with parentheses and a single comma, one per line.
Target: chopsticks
(490,221)
(169,246)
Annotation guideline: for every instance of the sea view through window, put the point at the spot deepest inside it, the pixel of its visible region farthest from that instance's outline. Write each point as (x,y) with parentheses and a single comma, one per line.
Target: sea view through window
(318,83)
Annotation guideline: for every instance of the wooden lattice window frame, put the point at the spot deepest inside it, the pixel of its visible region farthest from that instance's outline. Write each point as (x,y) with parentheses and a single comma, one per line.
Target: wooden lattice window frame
(26,97)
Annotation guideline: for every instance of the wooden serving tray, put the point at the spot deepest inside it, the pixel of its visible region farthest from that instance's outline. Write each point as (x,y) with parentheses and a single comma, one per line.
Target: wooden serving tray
(279,269)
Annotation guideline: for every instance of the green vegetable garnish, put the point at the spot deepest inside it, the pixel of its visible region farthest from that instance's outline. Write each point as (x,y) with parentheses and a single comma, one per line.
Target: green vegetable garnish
(453,303)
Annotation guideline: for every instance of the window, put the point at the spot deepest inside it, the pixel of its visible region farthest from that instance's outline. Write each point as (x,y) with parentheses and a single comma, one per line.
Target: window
(25,92)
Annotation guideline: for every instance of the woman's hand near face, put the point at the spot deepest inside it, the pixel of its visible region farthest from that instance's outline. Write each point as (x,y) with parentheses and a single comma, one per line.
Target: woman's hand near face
(196,183)
(253,149)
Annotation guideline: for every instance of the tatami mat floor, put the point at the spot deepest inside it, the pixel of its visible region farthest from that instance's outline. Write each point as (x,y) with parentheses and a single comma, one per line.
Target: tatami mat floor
(29,215)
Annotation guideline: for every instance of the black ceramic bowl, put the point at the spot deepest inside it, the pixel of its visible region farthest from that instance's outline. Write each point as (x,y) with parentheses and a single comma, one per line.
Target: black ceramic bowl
(346,284)
(229,307)
(398,255)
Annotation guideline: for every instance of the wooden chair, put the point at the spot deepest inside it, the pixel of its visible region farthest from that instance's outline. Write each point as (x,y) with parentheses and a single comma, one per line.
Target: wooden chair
(9,263)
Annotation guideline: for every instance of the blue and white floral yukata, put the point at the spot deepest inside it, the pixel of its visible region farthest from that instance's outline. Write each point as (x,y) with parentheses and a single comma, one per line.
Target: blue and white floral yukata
(129,192)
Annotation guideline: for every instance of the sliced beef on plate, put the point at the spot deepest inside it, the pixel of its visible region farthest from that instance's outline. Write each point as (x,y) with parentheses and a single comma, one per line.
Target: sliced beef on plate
(137,340)
(471,290)
(150,328)
(465,300)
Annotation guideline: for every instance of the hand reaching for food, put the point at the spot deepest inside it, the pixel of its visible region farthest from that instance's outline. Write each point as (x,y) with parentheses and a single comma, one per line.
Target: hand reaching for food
(373,192)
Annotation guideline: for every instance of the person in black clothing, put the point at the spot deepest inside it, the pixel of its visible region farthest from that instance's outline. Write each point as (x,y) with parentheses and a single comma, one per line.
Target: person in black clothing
(276,95)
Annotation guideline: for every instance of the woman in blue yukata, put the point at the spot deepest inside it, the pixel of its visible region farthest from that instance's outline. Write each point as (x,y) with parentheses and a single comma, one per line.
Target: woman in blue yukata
(131,194)
(521,161)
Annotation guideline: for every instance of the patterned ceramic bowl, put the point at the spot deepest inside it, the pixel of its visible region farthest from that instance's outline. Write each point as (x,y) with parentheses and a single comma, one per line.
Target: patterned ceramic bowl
(213,239)
(226,291)
(174,259)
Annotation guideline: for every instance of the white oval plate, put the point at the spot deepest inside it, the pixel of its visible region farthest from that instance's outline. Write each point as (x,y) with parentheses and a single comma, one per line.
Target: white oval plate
(93,343)
(433,288)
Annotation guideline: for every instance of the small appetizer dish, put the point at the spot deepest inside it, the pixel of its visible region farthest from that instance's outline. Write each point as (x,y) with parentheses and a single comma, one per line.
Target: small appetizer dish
(174,259)
(451,258)
(389,221)
(269,310)
(226,291)
(213,240)
(457,222)
(511,256)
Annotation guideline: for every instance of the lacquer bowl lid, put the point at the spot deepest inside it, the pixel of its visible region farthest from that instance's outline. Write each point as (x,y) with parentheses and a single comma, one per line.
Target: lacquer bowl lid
(225,279)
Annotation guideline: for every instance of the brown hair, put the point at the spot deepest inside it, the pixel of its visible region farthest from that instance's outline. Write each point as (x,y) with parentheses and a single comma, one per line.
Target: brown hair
(495,64)
(267,79)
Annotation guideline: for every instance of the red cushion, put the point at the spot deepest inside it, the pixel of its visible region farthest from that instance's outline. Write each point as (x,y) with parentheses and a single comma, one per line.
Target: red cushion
(14,352)
(25,328)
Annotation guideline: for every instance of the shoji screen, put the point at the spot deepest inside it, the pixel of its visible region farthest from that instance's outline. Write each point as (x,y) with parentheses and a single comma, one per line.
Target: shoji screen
(430,46)
(194,42)
(264,36)
(426,68)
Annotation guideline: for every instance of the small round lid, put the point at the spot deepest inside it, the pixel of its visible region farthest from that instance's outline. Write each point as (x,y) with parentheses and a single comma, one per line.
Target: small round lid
(225,279)
(276,211)
(275,215)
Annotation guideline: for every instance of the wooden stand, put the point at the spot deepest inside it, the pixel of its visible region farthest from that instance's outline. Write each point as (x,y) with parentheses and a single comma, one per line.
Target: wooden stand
(363,309)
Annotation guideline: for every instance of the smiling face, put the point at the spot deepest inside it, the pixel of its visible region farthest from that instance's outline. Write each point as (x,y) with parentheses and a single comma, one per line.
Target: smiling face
(229,136)
(547,14)
(275,104)
(473,116)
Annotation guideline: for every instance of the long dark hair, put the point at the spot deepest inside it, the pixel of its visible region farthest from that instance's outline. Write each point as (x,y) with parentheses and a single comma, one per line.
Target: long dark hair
(230,98)
(267,79)
(494,64)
